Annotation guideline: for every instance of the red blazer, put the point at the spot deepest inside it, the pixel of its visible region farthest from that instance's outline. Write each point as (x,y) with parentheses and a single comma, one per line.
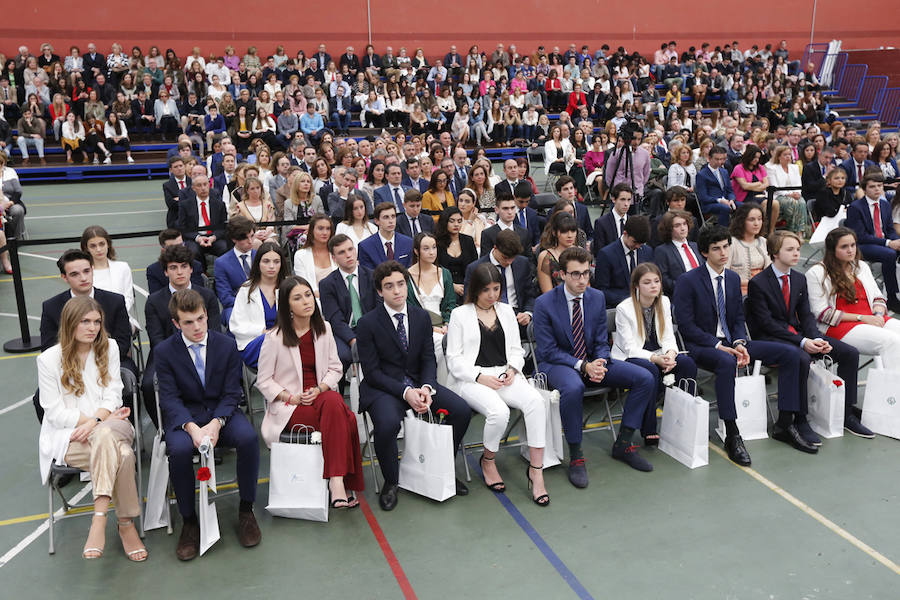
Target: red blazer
(575,100)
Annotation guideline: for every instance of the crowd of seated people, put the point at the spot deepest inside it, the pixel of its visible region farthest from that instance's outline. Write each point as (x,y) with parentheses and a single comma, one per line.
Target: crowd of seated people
(436,270)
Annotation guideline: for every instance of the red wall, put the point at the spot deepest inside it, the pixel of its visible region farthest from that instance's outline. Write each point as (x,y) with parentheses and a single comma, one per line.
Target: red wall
(526,23)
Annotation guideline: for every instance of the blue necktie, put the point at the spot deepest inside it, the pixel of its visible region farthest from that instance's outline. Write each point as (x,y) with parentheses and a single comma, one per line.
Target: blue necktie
(720,306)
(504,297)
(401,331)
(522,218)
(397,200)
(198,362)
(245,265)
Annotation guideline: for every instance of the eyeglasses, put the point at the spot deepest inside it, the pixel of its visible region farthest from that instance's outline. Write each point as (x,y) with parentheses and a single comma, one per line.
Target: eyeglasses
(579,274)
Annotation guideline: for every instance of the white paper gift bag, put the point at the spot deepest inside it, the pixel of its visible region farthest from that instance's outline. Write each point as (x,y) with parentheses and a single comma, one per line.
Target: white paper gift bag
(825,399)
(427,467)
(553,449)
(297,489)
(750,403)
(881,405)
(684,433)
(156,512)
(209,520)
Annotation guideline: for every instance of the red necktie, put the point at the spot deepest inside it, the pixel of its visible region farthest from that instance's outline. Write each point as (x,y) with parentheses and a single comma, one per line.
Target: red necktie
(690,256)
(181,185)
(204,213)
(786,292)
(859,170)
(876,218)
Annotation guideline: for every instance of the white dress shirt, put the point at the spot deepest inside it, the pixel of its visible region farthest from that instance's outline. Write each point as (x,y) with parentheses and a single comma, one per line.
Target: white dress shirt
(778,276)
(683,253)
(712,277)
(200,221)
(345,276)
(384,242)
(511,295)
(871,204)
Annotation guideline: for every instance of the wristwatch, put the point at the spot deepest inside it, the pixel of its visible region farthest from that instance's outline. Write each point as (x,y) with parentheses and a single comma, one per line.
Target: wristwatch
(222,421)
(98,419)
(859,317)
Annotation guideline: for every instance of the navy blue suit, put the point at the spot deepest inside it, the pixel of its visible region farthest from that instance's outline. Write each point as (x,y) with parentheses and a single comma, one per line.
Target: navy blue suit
(189,219)
(170,193)
(337,310)
(426,223)
(709,191)
(769,318)
(605,231)
(489,237)
(371,252)
(389,369)
(697,318)
(157,280)
(584,220)
(533,223)
(523,279)
(668,258)
(384,194)
(849,167)
(184,398)
(553,333)
(875,248)
(230,277)
(421,184)
(612,276)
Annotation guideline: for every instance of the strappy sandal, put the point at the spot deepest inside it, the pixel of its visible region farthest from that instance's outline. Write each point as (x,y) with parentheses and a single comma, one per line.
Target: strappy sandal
(352,500)
(498,487)
(93,551)
(651,439)
(543,499)
(340,503)
(132,554)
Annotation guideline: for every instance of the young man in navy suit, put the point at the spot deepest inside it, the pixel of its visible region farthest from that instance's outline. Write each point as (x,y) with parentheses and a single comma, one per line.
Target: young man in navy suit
(710,315)
(526,217)
(713,187)
(178,180)
(609,227)
(573,350)
(233,268)
(156,276)
(394,190)
(616,261)
(397,356)
(517,283)
(347,293)
(566,190)
(505,206)
(387,245)
(870,218)
(856,165)
(778,310)
(413,176)
(199,373)
(411,221)
(675,199)
(201,217)
(676,254)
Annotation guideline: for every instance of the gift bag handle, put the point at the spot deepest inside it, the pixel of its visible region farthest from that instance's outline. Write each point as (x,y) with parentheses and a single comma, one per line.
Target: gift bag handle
(683,385)
(298,430)
(539,381)
(829,362)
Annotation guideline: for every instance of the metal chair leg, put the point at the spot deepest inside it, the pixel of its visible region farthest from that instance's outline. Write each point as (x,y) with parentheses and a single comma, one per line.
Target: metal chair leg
(50,518)
(465,454)
(371,451)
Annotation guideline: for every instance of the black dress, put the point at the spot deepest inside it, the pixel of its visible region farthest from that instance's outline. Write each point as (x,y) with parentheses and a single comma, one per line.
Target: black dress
(828,203)
(457,264)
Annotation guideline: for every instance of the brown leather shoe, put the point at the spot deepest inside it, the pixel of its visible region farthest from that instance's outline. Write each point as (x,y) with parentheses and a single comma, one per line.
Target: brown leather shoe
(43,161)
(189,542)
(248,530)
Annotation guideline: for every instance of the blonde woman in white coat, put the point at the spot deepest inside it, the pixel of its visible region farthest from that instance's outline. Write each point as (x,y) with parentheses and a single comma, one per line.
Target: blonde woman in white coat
(485,360)
(559,154)
(645,336)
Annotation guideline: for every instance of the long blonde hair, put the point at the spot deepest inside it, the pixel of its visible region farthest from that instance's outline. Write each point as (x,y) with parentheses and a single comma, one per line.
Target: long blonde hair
(295,189)
(72,314)
(639,271)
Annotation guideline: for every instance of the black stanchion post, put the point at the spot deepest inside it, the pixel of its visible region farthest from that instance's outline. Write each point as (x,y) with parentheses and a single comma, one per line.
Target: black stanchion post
(25,343)
(770,194)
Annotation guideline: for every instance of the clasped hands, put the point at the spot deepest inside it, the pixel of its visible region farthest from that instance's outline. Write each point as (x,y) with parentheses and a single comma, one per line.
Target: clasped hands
(495,383)
(595,370)
(666,362)
(419,399)
(740,353)
(83,431)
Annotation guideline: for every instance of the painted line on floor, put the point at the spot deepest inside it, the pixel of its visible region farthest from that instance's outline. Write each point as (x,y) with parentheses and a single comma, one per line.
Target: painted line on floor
(15,316)
(38,203)
(551,556)
(386,549)
(28,539)
(806,508)
(108,214)
(21,402)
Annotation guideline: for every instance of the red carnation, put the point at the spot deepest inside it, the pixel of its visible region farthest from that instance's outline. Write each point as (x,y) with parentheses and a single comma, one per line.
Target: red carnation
(837,382)
(203,474)
(442,412)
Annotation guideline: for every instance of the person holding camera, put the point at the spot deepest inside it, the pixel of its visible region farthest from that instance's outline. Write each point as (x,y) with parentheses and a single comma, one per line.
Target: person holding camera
(630,162)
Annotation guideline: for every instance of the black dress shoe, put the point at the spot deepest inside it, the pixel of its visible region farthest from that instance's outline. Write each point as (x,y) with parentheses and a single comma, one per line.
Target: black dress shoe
(189,541)
(790,435)
(852,424)
(808,434)
(578,473)
(387,499)
(738,454)
(461,488)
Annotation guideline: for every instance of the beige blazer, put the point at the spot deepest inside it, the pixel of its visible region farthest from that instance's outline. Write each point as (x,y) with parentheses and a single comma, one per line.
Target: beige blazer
(280,369)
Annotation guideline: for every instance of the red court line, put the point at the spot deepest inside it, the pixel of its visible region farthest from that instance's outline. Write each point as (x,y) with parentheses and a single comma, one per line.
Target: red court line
(389,555)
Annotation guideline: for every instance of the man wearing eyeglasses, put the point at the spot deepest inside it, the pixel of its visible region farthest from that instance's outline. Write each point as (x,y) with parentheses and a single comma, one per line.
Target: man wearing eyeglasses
(573,350)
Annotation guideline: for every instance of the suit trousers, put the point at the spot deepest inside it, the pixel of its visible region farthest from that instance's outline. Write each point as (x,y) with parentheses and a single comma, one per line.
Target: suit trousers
(722,212)
(619,374)
(495,404)
(847,359)
(877,341)
(387,413)
(888,259)
(685,368)
(218,248)
(239,434)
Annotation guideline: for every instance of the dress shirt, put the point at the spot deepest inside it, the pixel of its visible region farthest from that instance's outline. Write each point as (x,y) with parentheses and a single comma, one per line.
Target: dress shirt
(778,276)
(413,224)
(715,286)
(391,312)
(181,183)
(355,273)
(569,298)
(399,192)
(857,169)
(617,221)
(633,253)
(200,223)
(511,296)
(871,204)
(384,242)
(683,254)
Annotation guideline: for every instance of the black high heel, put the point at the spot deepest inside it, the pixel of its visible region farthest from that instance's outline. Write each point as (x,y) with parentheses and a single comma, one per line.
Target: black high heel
(543,499)
(498,487)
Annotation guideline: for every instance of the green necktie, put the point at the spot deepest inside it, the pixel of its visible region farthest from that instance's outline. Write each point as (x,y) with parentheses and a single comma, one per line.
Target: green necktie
(355,304)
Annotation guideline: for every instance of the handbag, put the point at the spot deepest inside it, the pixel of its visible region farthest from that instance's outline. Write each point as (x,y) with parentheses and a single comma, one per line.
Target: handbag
(750,404)
(881,411)
(825,393)
(684,432)
(297,489)
(553,448)
(156,511)
(427,467)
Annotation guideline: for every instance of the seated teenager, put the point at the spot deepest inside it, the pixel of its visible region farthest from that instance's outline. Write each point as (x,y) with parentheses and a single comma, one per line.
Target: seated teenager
(610,226)
(397,355)
(199,374)
(560,234)
(526,217)
(255,304)
(676,255)
(312,261)
(305,392)
(109,274)
(710,315)
(573,350)
(412,222)
(156,277)
(617,261)
(779,310)
(85,425)
(387,245)
(506,220)
(676,198)
(176,264)
(645,336)
(517,276)
(714,191)
(748,254)
(233,268)
(456,250)
(178,180)
(485,361)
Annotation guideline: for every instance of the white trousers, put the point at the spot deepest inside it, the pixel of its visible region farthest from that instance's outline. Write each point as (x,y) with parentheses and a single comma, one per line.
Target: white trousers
(494,405)
(878,341)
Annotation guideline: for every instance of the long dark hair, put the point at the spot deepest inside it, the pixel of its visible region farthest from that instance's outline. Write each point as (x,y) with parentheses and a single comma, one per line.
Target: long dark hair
(256,272)
(93,231)
(738,220)
(844,286)
(284,321)
(482,276)
(560,222)
(440,230)
(749,154)
(313,221)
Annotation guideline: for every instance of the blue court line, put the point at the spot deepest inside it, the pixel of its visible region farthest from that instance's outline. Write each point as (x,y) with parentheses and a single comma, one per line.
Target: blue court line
(551,556)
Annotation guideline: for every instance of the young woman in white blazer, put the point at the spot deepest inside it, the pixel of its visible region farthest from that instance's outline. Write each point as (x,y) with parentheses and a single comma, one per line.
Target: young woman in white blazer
(485,360)
(110,274)
(645,336)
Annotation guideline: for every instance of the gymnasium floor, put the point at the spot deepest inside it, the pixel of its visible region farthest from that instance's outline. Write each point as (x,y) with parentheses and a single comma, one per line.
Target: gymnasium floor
(794,526)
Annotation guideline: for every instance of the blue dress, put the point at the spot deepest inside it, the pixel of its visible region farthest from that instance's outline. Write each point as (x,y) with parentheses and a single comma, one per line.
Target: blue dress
(250,353)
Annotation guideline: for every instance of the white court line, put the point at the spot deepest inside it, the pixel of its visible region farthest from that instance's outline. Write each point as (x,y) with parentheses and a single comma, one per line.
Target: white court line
(15,316)
(108,214)
(26,541)
(12,407)
(136,287)
(37,255)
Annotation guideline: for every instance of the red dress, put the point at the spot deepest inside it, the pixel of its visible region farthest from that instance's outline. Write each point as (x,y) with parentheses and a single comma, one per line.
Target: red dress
(329,414)
(860,307)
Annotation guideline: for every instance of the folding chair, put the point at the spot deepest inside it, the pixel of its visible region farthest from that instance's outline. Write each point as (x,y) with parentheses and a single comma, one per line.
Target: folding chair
(356,370)
(248,381)
(543,203)
(58,472)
